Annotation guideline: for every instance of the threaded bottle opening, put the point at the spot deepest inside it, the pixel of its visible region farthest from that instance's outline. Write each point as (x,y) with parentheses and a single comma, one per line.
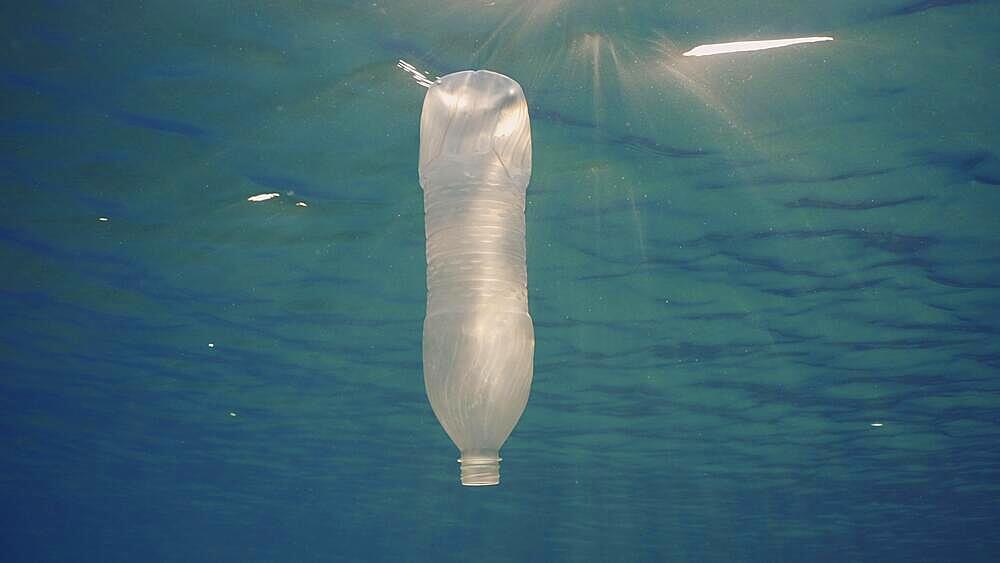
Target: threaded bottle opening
(479,471)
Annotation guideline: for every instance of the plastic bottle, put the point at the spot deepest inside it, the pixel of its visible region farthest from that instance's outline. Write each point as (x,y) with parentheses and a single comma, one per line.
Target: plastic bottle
(479,343)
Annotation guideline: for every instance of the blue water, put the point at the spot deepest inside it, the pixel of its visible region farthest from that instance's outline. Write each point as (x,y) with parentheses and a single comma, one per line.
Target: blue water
(765,285)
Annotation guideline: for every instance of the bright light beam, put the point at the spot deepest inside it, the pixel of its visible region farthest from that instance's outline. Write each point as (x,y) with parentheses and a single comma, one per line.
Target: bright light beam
(741,46)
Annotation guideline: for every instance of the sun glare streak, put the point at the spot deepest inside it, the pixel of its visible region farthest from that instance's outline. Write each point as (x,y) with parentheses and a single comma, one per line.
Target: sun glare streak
(680,73)
(624,72)
(596,184)
(592,44)
(744,46)
(640,232)
(534,16)
(611,80)
(598,56)
(500,27)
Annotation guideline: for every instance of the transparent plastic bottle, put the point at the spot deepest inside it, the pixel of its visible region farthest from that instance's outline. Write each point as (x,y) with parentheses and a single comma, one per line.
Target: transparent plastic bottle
(479,342)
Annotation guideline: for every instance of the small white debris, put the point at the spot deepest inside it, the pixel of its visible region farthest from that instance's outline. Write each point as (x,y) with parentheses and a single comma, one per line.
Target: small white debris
(263,197)
(877,424)
(103,219)
(301,204)
(742,46)
(211,344)
(232,413)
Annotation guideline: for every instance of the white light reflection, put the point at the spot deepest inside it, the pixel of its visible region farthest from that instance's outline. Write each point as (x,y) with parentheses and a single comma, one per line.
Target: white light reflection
(876,424)
(742,46)
(420,77)
(263,197)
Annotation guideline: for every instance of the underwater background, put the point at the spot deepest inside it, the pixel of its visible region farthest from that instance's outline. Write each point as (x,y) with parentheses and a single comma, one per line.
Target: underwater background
(764,285)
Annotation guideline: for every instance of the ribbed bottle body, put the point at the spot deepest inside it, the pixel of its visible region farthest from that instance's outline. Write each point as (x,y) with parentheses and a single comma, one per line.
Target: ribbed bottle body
(475,235)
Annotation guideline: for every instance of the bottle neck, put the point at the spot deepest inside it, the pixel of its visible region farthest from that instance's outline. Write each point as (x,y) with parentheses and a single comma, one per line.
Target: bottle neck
(480,468)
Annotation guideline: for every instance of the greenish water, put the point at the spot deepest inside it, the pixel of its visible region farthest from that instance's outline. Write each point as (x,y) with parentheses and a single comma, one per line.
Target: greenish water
(764,285)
